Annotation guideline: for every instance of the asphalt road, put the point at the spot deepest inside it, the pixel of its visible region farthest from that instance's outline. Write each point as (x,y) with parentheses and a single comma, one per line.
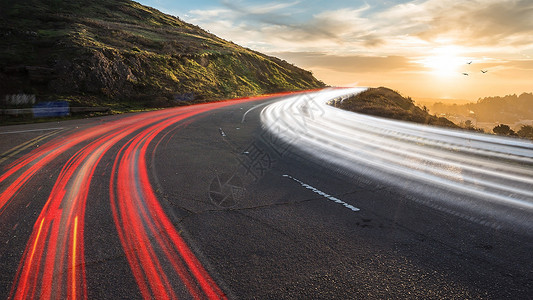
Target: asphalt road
(203,202)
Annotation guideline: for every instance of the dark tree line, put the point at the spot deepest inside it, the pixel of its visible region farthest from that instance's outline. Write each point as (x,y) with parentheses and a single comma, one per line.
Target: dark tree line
(526,131)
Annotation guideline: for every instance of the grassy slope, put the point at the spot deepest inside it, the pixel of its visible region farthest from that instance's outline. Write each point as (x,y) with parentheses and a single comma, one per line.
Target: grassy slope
(98,52)
(384,102)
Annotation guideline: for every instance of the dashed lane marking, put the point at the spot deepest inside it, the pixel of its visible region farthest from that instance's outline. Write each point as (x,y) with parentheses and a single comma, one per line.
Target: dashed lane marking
(323,194)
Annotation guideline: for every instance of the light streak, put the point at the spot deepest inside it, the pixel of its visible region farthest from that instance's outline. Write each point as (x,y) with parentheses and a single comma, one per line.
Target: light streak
(140,220)
(457,170)
(53,262)
(74,244)
(31,257)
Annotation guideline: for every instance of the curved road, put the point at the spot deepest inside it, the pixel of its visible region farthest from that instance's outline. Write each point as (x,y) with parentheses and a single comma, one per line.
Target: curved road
(233,199)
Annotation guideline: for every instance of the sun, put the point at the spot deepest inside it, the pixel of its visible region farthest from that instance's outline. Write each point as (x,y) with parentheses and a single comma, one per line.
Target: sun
(444,61)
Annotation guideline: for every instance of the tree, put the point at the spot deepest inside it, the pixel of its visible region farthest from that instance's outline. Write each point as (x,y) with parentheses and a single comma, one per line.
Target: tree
(503,129)
(526,131)
(469,126)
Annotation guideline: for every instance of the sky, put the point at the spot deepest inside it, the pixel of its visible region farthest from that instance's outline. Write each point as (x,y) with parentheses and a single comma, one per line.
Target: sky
(423,48)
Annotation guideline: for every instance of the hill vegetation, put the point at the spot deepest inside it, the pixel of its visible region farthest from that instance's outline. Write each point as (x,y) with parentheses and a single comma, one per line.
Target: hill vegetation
(384,102)
(123,54)
(510,115)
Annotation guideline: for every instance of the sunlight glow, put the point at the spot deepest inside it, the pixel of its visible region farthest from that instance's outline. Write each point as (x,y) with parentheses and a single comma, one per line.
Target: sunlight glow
(445,61)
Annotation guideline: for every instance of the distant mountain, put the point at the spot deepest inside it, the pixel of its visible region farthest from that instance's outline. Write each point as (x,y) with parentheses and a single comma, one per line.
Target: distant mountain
(509,109)
(384,102)
(97,52)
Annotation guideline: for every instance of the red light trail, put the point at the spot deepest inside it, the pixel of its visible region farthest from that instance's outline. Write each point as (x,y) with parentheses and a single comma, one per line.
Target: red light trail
(53,263)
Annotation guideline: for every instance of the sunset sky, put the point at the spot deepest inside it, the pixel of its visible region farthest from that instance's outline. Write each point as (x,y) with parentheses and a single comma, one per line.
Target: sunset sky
(420,48)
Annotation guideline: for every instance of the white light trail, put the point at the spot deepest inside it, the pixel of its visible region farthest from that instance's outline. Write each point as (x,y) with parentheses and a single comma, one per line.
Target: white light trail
(454,169)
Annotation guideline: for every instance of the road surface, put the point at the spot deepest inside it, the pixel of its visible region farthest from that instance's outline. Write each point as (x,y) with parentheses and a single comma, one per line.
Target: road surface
(230,200)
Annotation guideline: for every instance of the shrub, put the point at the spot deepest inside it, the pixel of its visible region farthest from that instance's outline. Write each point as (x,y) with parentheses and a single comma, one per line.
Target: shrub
(503,129)
(526,131)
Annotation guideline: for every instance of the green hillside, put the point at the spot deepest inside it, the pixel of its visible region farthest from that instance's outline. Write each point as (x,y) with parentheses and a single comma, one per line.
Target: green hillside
(121,53)
(384,102)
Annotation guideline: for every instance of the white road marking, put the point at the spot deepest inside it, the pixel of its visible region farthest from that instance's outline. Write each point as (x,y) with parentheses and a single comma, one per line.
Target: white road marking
(254,107)
(323,194)
(31,130)
(222,133)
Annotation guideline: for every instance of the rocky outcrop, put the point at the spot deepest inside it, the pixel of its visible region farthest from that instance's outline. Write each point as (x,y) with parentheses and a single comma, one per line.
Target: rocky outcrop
(107,74)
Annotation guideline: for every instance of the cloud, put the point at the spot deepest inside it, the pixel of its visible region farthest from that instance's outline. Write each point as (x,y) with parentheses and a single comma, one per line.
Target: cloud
(384,46)
(333,27)
(275,24)
(208,14)
(348,63)
(261,9)
(472,23)
(522,64)
(415,26)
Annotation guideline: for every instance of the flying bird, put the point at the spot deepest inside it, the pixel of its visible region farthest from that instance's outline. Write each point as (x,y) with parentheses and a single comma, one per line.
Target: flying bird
(484,71)
(466,74)
(468,63)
